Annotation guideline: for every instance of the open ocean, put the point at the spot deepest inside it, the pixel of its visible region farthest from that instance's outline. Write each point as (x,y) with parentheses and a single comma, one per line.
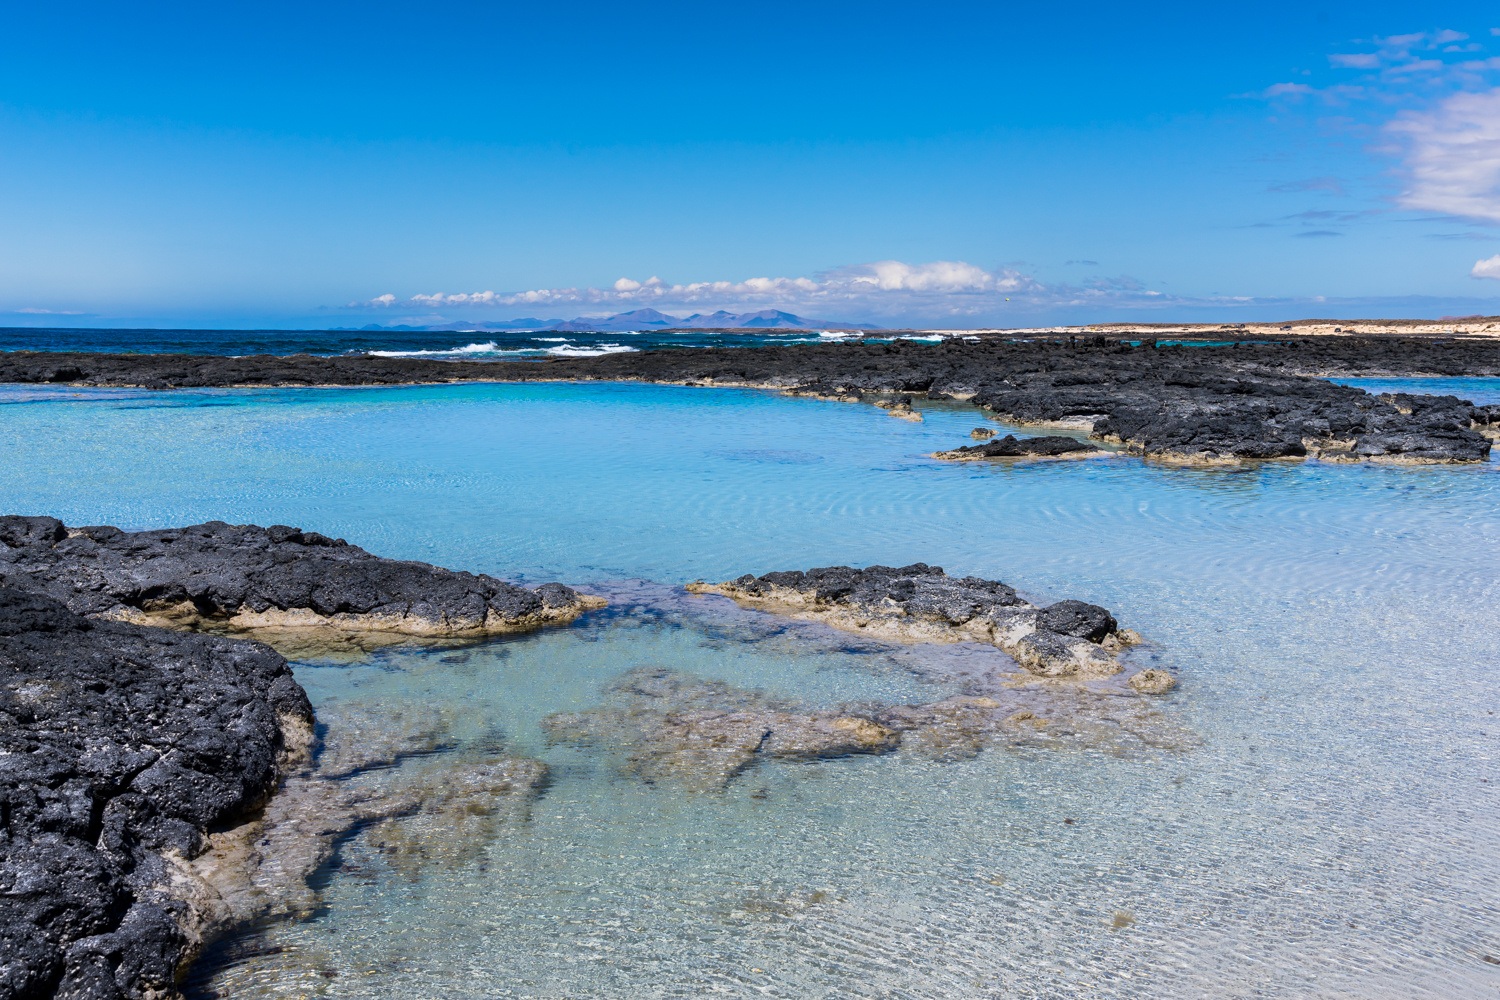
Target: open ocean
(1312,813)
(474,345)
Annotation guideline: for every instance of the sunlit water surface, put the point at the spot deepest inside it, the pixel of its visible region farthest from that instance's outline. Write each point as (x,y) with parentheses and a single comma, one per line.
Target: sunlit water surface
(1319,819)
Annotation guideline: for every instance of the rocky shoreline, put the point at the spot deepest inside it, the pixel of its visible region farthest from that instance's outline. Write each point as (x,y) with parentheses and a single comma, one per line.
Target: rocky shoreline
(1251,400)
(160,787)
(121,747)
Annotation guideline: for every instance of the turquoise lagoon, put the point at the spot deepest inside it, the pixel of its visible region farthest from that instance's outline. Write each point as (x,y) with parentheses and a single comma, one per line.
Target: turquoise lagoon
(1312,813)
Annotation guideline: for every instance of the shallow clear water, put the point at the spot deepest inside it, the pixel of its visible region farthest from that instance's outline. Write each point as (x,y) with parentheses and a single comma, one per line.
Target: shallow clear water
(1311,814)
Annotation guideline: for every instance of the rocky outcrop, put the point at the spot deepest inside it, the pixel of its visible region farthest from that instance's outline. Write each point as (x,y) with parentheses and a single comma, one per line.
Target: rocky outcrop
(1252,400)
(1010,446)
(921,603)
(278,583)
(1209,416)
(121,748)
(901,408)
(158,789)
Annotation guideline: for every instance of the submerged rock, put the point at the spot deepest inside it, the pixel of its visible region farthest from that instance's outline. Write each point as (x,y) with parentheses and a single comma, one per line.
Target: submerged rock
(921,603)
(702,734)
(956,728)
(1010,446)
(121,747)
(361,779)
(669,728)
(275,582)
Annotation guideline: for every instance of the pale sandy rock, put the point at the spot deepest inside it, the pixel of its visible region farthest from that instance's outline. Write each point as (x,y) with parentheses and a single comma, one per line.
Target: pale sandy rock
(1152,681)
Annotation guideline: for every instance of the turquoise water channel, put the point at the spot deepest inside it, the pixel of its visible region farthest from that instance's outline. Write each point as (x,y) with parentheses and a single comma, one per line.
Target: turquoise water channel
(1312,813)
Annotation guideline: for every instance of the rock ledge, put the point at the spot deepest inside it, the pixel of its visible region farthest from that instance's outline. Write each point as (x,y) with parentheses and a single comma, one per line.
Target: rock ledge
(267,582)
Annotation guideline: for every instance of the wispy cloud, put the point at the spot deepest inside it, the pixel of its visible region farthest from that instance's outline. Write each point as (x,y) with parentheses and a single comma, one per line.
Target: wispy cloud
(1452,156)
(31,311)
(1428,100)
(1355,60)
(1327,185)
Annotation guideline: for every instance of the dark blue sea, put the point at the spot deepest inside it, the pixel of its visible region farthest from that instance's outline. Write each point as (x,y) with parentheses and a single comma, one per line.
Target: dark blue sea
(476,345)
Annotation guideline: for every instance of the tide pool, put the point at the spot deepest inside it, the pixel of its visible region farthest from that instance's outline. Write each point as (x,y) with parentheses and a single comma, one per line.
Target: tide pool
(1311,813)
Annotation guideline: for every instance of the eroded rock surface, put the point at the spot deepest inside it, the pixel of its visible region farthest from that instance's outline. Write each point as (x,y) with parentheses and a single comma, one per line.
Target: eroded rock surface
(921,603)
(121,748)
(277,582)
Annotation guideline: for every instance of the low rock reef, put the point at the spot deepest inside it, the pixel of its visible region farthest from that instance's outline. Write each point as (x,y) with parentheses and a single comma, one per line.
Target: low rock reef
(1068,640)
(289,587)
(1226,403)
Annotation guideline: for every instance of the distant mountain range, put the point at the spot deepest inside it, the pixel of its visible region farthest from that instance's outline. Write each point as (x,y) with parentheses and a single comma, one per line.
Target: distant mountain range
(650,319)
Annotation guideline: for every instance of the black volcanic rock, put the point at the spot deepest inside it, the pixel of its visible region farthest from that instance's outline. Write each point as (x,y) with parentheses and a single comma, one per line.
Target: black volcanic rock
(1011,446)
(922,603)
(248,577)
(121,745)
(1247,401)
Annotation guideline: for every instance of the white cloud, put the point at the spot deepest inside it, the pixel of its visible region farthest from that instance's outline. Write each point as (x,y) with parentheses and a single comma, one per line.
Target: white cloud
(939,276)
(1487,268)
(1355,60)
(882,286)
(1453,156)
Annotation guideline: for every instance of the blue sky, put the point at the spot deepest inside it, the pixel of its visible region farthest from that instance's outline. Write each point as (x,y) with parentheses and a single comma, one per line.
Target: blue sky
(954,164)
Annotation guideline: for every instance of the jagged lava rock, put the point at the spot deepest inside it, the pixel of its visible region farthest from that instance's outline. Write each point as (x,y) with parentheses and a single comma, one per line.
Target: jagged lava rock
(120,747)
(244,577)
(1010,446)
(922,603)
